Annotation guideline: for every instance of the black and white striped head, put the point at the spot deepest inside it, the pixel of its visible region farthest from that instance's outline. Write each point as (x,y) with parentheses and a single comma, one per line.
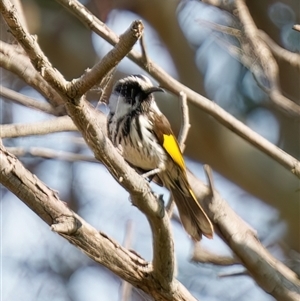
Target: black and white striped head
(132,93)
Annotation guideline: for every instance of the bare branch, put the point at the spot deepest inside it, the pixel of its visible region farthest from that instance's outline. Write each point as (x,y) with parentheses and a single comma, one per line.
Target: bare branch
(169,83)
(27,101)
(201,255)
(50,154)
(45,202)
(98,72)
(17,62)
(269,273)
(31,47)
(296,27)
(144,52)
(255,55)
(58,124)
(185,125)
(266,60)
(283,54)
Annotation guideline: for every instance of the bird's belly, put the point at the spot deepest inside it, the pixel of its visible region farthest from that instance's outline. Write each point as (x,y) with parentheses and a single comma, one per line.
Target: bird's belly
(147,156)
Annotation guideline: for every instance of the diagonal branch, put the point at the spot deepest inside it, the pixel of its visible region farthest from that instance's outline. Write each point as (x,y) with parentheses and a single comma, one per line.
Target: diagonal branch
(269,273)
(17,62)
(98,246)
(291,57)
(27,101)
(100,70)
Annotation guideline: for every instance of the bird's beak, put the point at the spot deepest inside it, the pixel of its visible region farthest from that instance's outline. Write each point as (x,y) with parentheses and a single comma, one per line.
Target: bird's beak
(154,89)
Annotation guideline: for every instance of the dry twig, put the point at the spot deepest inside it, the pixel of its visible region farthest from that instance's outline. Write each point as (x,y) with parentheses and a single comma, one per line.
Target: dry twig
(59,124)
(27,101)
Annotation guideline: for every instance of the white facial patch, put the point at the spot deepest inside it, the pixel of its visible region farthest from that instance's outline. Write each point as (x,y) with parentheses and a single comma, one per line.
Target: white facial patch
(118,106)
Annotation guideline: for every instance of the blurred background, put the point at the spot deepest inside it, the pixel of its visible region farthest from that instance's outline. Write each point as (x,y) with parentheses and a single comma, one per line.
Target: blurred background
(37,264)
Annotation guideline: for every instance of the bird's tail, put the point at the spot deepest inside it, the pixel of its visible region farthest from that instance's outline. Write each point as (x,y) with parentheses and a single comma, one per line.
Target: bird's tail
(193,218)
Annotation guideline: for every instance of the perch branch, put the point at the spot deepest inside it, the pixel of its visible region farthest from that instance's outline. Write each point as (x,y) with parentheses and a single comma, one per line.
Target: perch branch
(98,246)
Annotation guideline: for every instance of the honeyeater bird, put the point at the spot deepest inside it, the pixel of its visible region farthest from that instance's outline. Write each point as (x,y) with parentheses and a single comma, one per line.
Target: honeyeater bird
(144,135)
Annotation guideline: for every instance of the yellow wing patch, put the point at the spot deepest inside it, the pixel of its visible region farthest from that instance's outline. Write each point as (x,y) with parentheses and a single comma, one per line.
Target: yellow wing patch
(172,148)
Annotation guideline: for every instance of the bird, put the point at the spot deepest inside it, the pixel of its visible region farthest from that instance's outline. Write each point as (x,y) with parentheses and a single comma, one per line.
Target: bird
(143,135)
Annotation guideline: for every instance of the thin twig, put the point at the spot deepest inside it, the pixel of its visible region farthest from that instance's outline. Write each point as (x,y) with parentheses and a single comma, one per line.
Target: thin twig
(210,180)
(95,75)
(201,255)
(49,153)
(27,101)
(265,60)
(185,122)
(59,124)
(233,274)
(254,55)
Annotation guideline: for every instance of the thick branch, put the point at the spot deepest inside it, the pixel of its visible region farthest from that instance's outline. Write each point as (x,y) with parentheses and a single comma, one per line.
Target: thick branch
(269,273)
(46,204)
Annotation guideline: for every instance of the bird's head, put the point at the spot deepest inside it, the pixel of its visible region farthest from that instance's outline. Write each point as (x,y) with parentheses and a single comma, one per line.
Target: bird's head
(132,93)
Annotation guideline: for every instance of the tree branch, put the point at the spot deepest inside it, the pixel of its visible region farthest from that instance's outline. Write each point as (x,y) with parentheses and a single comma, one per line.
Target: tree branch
(269,273)
(59,124)
(201,255)
(283,54)
(46,204)
(50,154)
(296,27)
(17,62)
(98,72)
(266,60)
(27,101)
